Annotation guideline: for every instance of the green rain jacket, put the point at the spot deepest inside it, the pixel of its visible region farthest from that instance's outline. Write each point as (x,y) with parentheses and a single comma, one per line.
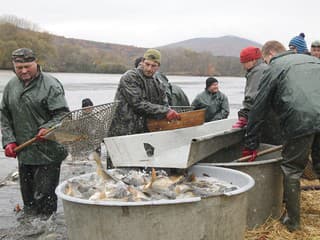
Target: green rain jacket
(216,105)
(24,110)
(253,77)
(291,87)
(175,94)
(139,97)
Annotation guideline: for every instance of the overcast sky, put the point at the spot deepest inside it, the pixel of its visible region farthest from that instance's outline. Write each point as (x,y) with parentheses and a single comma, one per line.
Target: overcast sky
(154,23)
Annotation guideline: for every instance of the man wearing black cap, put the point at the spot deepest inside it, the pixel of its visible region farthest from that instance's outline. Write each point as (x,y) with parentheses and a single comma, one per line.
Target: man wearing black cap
(215,102)
(33,102)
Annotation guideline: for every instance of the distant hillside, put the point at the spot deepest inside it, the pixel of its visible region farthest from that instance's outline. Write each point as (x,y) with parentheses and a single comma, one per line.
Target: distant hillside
(60,54)
(220,46)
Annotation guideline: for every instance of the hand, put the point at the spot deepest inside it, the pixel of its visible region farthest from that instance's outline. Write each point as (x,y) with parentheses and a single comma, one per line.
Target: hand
(40,135)
(240,123)
(9,150)
(248,152)
(172,115)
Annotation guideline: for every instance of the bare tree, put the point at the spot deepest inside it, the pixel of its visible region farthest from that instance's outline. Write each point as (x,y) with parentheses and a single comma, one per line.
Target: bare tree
(19,22)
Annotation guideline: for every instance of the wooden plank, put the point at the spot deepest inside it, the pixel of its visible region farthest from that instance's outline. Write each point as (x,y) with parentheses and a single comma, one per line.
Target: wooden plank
(188,119)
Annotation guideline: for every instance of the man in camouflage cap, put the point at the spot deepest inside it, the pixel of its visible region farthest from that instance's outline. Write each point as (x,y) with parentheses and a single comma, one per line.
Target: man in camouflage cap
(141,97)
(33,102)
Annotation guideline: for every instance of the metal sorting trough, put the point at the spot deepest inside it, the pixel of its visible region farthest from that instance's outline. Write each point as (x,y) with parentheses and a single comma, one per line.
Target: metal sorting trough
(179,148)
(218,217)
(265,199)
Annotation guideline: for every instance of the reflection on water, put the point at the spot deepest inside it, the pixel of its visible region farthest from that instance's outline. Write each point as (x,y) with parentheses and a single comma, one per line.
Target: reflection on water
(101,87)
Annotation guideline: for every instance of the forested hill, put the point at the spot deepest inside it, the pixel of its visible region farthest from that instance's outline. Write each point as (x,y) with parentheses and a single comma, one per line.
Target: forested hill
(60,54)
(220,46)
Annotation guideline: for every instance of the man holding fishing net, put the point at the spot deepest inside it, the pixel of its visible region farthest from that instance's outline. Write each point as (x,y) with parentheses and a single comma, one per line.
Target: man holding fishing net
(32,103)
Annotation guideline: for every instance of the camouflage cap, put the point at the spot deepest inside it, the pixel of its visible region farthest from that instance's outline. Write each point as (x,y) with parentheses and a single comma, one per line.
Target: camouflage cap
(153,55)
(23,55)
(315,44)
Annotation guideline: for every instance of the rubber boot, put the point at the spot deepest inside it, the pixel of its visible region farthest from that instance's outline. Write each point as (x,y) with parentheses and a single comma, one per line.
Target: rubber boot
(292,201)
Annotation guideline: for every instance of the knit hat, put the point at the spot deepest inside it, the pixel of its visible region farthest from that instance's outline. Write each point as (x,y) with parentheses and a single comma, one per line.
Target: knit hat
(299,43)
(87,102)
(23,55)
(210,80)
(249,53)
(153,55)
(315,43)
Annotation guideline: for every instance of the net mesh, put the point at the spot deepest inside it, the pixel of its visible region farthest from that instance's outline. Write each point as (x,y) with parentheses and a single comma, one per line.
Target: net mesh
(83,130)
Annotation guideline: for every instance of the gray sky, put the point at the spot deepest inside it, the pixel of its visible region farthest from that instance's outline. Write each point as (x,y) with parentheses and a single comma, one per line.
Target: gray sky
(154,23)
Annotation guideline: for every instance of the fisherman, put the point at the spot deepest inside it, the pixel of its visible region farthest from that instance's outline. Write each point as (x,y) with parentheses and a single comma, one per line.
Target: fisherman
(213,100)
(291,88)
(315,49)
(176,96)
(32,103)
(250,58)
(140,97)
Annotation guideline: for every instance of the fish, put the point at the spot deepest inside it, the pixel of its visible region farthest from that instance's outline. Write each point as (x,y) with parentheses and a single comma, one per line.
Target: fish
(133,185)
(100,171)
(10,179)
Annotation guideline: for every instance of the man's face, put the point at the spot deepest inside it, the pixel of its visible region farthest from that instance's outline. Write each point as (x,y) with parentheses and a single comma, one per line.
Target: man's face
(149,67)
(249,65)
(315,51)
(293,48)
(214,87)
(26,71)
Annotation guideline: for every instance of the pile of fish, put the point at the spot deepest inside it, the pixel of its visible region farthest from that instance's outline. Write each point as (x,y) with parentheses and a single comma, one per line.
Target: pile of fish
(134,185)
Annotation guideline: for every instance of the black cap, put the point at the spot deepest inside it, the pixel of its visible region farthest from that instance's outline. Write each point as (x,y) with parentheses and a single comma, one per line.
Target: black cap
(87,102)
(210,80)
(23,55)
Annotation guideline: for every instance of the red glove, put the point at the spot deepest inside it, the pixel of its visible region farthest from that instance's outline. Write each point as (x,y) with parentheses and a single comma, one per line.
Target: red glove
(40,135)
(9,150)
(172,115)
(248,152)
(240,123)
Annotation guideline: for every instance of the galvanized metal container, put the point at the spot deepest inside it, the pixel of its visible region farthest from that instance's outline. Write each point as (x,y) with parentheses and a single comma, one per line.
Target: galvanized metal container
(219,217)
(265,198)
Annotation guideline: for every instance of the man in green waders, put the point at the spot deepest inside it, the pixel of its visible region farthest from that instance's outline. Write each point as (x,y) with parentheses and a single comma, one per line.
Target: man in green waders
(32,102)
(290,87)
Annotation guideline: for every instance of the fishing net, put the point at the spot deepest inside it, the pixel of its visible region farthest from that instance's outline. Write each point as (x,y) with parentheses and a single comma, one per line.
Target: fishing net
(83,130)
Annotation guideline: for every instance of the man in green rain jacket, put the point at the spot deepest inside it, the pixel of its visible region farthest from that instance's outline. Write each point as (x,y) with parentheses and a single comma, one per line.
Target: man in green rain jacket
(291,88)
(32,103)
(214,101)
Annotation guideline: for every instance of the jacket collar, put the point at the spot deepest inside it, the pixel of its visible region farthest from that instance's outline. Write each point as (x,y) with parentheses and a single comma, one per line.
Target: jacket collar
(281,55)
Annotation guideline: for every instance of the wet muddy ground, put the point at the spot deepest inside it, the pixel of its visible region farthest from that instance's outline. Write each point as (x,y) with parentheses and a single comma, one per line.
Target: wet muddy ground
(11,228)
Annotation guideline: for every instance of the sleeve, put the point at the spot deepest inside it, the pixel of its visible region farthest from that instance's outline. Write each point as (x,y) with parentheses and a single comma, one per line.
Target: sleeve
(57,105)
(262,105)
(224,110)
(196,103)
(6,121)
(132,92)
